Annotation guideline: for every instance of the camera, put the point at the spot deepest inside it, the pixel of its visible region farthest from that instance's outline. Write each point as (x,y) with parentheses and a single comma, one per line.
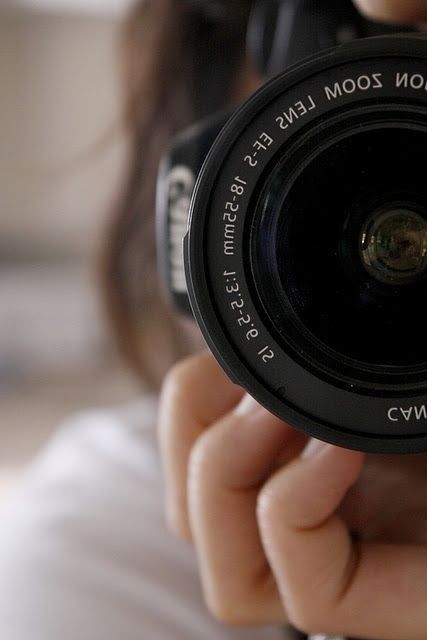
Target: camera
(295,229)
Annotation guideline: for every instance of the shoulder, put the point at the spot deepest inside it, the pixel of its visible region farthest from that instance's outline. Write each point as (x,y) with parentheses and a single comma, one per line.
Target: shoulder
(91,486)
(84,551)
(78,533)
(93,453)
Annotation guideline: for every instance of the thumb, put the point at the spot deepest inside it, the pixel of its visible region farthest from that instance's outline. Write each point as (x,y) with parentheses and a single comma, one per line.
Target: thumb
(404,11)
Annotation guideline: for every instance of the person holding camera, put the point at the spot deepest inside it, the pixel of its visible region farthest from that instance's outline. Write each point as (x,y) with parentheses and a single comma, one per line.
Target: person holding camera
(277,535)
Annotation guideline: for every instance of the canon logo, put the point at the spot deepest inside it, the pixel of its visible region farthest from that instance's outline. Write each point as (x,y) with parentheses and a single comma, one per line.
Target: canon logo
(181,181)
(395,414)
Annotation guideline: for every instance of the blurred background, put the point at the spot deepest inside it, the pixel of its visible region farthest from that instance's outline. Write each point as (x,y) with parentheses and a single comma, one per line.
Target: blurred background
(62,154)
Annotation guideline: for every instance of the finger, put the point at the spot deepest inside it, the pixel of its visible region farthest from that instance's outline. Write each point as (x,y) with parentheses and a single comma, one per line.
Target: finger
(404,11)
(228,465)
(330,585)
(309,548)
(196,393)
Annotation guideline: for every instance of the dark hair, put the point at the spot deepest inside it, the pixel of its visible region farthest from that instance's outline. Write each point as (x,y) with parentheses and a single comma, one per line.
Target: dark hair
(181,61)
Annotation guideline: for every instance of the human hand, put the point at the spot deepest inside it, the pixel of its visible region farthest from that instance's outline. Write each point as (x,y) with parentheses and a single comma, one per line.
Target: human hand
(274,530)
(346,538)
(404,11)
(218,448)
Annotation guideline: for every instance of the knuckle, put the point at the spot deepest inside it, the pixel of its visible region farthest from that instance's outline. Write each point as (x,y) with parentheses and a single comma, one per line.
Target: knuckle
(232,610)
(391,10)
(270,506)
(221,610)
(305,619)
(312,614)
(367,7)
(179,379)
(200,458)
(373,9)
(185,377)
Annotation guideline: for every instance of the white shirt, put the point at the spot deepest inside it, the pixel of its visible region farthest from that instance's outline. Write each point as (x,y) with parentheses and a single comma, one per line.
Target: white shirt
(84,550)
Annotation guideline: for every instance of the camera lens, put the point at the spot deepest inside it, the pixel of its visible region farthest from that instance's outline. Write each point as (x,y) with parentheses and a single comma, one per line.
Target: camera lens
(337,262)
(306,254)
(394,245)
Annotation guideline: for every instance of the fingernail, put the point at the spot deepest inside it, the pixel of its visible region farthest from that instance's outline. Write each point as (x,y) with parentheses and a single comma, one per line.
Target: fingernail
(314,448)
(248,406)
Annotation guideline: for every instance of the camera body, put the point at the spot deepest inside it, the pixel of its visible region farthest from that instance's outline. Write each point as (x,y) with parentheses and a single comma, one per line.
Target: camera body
(304,258)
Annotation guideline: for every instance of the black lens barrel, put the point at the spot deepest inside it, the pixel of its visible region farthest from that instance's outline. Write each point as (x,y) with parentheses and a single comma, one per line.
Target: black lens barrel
(305,255)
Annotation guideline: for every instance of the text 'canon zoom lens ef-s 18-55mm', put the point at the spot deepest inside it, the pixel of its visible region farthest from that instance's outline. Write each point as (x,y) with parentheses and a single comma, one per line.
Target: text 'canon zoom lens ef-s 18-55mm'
(306,255)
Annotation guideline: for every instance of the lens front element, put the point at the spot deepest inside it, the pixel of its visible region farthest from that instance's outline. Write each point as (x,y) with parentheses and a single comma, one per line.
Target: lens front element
(339,249)
(394,245)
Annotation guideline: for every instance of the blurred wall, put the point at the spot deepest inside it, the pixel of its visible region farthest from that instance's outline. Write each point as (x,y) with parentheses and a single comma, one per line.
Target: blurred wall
(62,157)
(60,97)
